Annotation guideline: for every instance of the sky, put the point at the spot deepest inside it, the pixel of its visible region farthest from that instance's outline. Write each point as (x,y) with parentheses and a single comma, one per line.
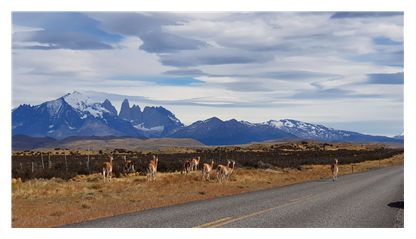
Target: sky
(341,69)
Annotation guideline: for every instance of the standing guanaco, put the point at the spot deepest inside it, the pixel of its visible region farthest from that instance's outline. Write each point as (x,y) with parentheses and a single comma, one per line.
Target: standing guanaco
(186,167)
(108,169)
(152,169)
(221,168)
(206,169)
(334,169)
(227,171)
(128,165)
(195,163)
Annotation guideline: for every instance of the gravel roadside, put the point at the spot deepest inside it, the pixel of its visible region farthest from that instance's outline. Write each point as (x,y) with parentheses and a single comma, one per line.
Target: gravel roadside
(400,215)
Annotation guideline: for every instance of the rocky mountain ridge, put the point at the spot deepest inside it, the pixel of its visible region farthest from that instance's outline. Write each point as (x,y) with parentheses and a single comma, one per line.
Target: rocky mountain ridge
(77,115)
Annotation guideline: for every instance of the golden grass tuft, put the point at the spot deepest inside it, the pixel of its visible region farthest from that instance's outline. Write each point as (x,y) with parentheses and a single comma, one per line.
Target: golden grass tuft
(49,203)
(19,180)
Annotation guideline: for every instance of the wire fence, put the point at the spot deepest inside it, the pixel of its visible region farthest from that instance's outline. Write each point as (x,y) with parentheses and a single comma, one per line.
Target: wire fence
(47,166)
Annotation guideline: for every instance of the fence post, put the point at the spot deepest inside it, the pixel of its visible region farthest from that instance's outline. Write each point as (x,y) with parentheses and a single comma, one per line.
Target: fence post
(88,161)
(66,164)
(41,156)
(32,167)
(49,160)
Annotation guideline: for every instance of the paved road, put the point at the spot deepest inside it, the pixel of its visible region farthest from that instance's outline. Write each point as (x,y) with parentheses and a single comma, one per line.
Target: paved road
(368,199)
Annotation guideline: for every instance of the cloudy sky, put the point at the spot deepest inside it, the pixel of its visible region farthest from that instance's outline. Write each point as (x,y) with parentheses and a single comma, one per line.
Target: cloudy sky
(341,69)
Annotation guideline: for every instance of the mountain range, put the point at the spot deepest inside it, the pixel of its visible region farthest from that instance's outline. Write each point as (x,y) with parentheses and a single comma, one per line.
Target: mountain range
(77,115)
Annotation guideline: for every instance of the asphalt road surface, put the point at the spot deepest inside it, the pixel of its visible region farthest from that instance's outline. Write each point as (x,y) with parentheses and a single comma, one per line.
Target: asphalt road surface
(368,199)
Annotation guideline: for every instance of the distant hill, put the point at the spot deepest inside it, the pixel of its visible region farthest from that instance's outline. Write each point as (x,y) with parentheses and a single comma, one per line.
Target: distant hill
(394,145)
(23,142)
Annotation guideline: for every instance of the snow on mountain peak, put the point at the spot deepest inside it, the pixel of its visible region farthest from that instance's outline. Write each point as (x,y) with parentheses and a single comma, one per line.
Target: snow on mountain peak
(77,100)
(284,123)
(400,136)
(248,123)
(83,104)
(275,123)
(302,129)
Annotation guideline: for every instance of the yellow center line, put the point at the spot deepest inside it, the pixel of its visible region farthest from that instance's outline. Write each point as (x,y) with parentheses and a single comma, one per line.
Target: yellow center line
(254,214)
(301,198)
(294,201)
(204,225)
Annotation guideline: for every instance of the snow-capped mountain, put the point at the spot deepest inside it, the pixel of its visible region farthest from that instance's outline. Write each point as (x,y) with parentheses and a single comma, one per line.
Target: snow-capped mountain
(320,132)
(214,131)
(152,122)
(400,136)
(83,105)
(76,115)
(307,130)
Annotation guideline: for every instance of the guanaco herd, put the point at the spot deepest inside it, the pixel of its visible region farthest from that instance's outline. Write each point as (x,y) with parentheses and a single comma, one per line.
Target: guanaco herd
(221,170)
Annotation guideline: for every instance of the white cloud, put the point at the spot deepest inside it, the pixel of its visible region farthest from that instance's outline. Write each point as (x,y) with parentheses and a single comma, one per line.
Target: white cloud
(239,69)
(17,28)
(91,64)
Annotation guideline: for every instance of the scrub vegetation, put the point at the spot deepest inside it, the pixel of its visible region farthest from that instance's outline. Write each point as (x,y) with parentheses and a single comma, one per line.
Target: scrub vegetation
(55,196)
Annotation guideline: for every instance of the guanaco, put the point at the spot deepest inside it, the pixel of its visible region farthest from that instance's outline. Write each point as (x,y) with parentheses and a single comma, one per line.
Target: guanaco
(128,166)
(227,171)
(152,169)
(108,169)
(221,168)
(334,169)
(195,163)
(186,167)
(206,169)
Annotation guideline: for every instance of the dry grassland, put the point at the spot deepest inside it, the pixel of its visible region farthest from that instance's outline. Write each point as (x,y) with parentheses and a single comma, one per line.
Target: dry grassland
(164,143)
(50,203)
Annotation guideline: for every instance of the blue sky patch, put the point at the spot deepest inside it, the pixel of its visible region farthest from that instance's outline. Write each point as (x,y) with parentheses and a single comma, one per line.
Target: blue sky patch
(390,79)
(360,14)
(386,59)
(64,21)
(385,41)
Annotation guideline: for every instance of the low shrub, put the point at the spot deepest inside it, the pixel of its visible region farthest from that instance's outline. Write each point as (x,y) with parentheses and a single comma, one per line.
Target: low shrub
(277,156)
(58,213)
